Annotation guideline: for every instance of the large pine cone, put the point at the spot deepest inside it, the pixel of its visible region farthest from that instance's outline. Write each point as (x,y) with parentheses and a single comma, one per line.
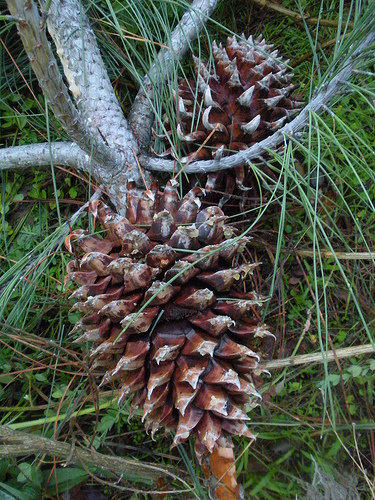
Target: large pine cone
(244,98)
(166,307)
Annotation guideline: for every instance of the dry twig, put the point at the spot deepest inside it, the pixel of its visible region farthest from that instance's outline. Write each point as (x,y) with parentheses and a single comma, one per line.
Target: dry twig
(16,444)
(318,357)
(296,16)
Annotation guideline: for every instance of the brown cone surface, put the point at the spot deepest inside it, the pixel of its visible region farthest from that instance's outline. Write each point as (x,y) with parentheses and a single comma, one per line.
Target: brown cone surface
(165,306)
(245,97)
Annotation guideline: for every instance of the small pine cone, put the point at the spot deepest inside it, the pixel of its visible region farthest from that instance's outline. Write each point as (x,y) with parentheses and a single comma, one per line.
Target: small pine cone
(244,98)
(162,299)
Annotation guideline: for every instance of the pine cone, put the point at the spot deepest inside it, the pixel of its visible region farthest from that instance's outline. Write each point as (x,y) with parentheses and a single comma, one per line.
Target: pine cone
(245,98)
(163,300)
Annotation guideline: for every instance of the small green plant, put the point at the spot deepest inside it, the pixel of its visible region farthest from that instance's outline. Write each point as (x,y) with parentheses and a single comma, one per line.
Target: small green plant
(28,481)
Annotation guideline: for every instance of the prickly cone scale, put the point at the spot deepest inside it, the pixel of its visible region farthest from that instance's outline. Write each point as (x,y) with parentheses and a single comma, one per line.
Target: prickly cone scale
(245,96)
(163,299)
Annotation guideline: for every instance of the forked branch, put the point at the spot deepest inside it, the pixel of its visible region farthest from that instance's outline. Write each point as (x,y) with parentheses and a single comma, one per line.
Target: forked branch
(104,145)
(45,67)
(87,76)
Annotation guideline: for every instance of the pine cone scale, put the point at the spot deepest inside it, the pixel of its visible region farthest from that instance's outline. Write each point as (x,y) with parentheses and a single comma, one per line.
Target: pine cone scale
(245,97)
(172,328)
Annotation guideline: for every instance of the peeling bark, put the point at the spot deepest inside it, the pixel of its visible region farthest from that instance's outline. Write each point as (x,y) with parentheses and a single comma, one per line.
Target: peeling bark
(104,145)
(87,76)
(50,80)
(112,164)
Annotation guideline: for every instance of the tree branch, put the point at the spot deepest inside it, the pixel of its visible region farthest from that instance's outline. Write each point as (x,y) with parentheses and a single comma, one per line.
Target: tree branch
(46,70)
(305,359)
(325,94)
(142,116)
(87,76)
(68,154)
(106,145)
(98,127)
(112,174)
(17,444)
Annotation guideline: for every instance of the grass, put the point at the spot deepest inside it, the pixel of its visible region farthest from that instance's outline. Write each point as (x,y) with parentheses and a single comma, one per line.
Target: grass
(322,203)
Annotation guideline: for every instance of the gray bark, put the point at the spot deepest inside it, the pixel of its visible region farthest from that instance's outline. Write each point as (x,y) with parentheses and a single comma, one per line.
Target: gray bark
(318,357)
(71,155)
(114,165)
(50,80)
(87,76)
(68,154)
(103,120)
(105,145)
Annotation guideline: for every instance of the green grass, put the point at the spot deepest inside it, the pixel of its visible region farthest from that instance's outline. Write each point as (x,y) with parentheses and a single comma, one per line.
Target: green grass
(318,302)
